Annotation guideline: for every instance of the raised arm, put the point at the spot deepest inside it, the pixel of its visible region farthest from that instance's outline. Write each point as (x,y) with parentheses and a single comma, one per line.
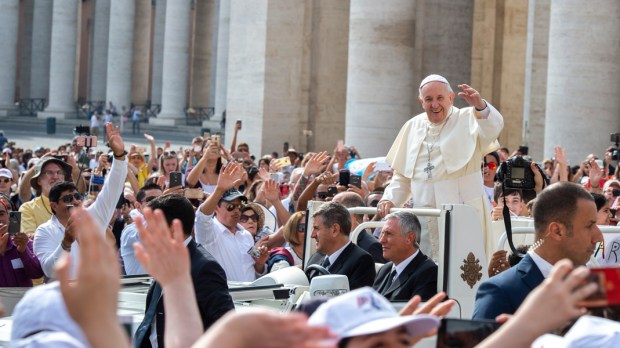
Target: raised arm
(196,171)
(272,194)
(229,177)
(233,145)
(25,191)
(153,164)
(92,299)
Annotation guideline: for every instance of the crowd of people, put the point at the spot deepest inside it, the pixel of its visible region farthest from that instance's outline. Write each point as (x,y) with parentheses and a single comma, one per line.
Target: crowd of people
(197,217)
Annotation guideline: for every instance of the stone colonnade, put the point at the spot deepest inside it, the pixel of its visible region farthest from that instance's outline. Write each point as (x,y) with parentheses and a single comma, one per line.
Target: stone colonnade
(312,72)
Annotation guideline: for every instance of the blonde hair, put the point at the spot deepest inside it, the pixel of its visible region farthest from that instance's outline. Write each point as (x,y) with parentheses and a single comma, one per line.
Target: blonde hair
(290,229)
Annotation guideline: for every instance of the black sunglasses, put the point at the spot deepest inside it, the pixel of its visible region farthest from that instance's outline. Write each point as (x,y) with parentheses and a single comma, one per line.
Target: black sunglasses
(301,227)
(322,195)
(246,218)
(232,206)
(70,197)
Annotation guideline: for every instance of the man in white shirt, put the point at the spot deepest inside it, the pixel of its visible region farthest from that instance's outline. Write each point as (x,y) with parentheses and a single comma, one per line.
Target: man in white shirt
(129,236)
(565,224)
(217,229)
(57,234)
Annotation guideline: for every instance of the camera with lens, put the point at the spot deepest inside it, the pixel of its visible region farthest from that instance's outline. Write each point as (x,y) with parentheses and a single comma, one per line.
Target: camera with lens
(516,173)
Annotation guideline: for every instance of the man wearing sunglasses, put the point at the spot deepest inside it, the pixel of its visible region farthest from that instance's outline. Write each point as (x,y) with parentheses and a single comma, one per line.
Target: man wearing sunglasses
(218,230)
(57,235)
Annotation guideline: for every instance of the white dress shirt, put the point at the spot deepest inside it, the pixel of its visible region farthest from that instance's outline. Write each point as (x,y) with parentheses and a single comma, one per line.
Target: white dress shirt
(129,236)
(49,235)
(229,249)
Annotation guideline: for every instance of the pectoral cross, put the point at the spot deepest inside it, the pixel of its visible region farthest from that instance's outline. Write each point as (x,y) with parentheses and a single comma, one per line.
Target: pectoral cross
(428,170)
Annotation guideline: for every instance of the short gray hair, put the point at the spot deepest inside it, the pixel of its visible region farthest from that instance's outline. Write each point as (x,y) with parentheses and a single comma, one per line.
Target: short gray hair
(408,222)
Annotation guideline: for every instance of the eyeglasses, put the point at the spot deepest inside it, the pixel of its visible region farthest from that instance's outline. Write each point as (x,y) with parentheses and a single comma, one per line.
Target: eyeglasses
(5,180)
(490,165)
(50,173)
(246,218)
(70,197)
(301,227)
(232,206)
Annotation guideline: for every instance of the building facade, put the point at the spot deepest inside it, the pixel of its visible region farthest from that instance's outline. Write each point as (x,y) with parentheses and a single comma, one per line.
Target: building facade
(311,72)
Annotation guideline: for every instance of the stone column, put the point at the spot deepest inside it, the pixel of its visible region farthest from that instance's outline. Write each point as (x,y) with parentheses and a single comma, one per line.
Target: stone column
(247,58)
(100,49)
(120,52)
(62,60)
(328,75)
(176,64)
(9,24)
(203,57)
(440,48)
(41,46)
(141,52)
(158,51)
(381,90)
(221,70)
(266,75)
(25,59)
(535,95)
(583,80)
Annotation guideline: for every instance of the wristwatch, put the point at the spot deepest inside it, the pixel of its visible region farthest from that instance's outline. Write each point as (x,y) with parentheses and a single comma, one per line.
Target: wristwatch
(121,155)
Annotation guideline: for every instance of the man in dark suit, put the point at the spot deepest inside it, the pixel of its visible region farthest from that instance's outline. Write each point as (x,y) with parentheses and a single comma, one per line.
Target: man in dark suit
(208,277)
(365,240)
(331,228)
(409,271)
(565,227)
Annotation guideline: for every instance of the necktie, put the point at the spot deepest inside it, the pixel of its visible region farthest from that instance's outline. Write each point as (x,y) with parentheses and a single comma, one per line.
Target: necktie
(326,262)
(144,330)
(390,279)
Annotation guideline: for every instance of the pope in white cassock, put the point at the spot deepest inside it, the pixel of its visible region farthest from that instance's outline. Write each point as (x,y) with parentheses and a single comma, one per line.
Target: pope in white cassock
(437,154)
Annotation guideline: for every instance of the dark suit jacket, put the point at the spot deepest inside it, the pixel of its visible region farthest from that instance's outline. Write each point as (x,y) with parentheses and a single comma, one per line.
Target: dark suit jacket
(211,292)
(418,278)
(371,245)
(354,262)
(505,292)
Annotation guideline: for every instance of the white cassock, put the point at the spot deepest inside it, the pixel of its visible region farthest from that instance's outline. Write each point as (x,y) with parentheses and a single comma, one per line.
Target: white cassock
(453,150)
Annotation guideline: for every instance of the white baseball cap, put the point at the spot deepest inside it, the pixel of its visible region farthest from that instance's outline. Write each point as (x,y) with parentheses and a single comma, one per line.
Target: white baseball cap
(588,331)
(6,173)
(42,312)
(434,78)
(363,312)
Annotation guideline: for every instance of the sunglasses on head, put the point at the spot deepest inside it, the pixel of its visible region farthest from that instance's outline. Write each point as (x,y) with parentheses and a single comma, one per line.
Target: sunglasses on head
(70,197)
(232,206)
(246,218)
(490,165)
